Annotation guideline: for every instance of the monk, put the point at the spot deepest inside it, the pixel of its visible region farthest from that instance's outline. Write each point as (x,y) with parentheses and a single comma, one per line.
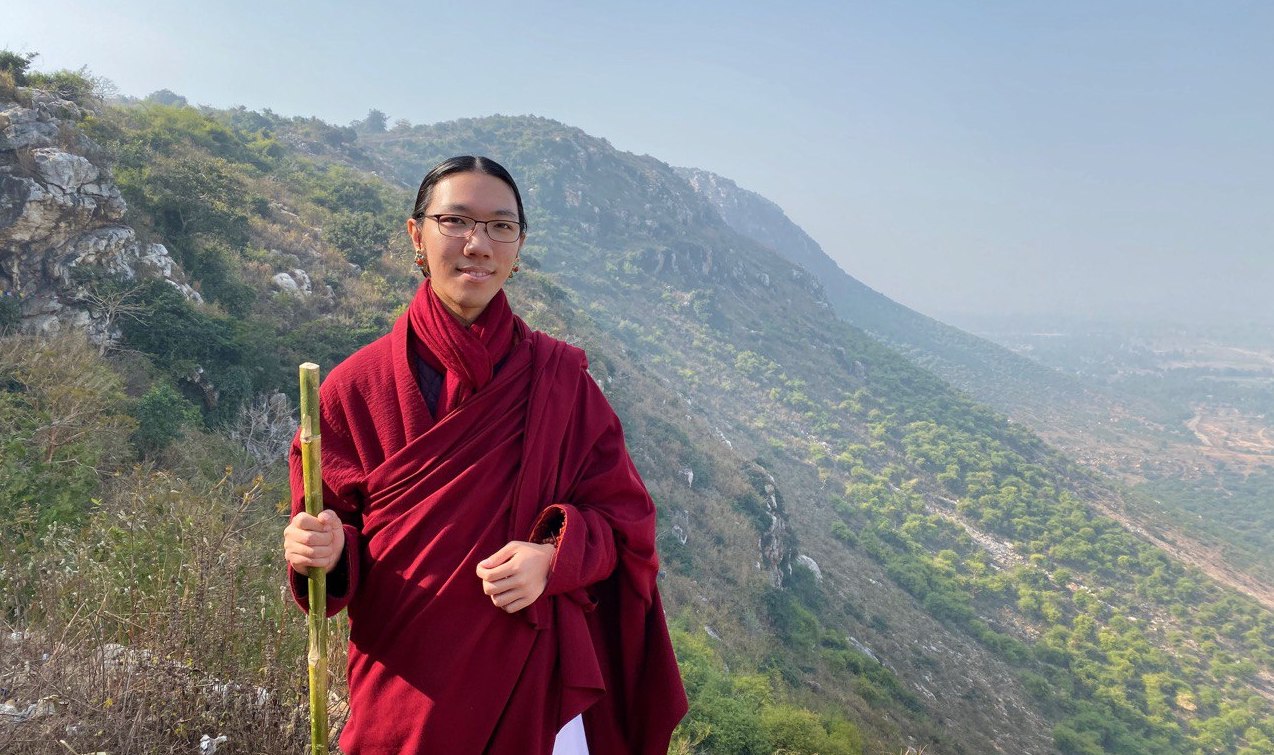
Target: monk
(484,524)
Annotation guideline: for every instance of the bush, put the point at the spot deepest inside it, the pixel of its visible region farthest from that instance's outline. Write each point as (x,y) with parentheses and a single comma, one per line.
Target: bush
(796,730)
(62,424)
(77,86)
(361,236)
(162,415)
(175,333)
(15,65)
(157,621)
(8,88)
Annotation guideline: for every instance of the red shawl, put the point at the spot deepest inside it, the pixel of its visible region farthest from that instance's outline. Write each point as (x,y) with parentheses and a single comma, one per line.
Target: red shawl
(434,667)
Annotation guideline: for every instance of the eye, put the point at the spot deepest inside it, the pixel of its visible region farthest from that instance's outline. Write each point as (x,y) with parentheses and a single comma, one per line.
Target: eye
(504,226)
(453,221)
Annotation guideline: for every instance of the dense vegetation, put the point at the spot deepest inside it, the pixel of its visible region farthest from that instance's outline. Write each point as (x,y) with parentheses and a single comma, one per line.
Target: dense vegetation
(1172,377)
(157,513)
(792,457)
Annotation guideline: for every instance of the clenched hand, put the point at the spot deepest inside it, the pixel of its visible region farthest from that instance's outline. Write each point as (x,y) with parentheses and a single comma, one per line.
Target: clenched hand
(517,574)
(310,541)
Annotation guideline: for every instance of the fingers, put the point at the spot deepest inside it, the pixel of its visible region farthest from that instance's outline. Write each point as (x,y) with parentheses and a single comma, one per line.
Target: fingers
(516,575)
(517,605)
(500,556)
(304,521)
(503,584)
(514,599)
(310,541)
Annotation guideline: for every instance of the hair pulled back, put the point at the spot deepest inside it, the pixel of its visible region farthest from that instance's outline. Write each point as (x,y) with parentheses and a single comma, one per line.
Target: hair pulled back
(465,164)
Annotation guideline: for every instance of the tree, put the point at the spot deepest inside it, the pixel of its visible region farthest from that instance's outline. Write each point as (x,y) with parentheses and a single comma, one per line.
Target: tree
(167,97)
(374,123)
(264,427)
(112,301)
(362,236)
(191,194)
(16,65)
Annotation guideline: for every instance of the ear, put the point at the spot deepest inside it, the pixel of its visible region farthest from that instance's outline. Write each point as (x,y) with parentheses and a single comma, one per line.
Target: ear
(415,231)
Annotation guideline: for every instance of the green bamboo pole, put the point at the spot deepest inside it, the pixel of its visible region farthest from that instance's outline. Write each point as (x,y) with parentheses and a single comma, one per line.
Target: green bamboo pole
(312,474)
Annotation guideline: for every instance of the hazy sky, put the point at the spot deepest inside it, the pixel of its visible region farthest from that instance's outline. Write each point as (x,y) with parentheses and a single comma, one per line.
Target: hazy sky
(1036,157)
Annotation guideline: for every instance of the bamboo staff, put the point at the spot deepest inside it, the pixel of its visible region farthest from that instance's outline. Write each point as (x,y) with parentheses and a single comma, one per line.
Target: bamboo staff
(310,455)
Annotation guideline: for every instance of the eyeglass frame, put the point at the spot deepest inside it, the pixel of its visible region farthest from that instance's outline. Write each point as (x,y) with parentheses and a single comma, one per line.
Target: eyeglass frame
(474,229)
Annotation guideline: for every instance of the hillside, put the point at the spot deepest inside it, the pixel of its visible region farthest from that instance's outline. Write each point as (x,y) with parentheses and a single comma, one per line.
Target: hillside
(857,558)
(1204,499)
(1214,387)
(990,373)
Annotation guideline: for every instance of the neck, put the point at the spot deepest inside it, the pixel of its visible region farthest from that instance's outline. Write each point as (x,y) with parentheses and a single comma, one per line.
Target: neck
(464,321)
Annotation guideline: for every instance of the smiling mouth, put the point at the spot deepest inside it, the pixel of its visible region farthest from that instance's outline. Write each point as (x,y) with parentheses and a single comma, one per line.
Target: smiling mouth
(476,273)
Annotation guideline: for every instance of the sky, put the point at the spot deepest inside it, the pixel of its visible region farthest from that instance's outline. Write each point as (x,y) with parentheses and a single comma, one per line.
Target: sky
(1104,159)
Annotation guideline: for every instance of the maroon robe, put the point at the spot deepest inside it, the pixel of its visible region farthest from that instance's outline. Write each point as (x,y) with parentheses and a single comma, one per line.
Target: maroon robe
(515,454)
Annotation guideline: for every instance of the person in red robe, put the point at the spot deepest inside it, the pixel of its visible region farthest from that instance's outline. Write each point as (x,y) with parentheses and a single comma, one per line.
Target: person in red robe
(484,523)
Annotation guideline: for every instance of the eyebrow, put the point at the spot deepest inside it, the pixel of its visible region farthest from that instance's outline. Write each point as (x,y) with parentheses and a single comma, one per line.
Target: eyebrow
(460,209)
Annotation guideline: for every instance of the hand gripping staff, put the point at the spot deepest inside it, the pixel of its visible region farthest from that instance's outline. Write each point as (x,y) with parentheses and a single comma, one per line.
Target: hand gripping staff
(312,475)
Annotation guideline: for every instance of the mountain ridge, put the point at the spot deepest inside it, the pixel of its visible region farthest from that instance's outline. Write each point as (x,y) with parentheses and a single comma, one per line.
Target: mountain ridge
(918,528)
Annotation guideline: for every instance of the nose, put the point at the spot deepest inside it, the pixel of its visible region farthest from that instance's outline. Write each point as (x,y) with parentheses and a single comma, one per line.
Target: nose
(478,242)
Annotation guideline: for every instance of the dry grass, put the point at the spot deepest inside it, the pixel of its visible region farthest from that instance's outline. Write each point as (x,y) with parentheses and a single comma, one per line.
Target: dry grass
(159,622)
(8,87)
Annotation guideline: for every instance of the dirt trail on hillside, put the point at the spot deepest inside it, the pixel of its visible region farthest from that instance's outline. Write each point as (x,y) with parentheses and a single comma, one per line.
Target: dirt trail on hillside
(1189,551)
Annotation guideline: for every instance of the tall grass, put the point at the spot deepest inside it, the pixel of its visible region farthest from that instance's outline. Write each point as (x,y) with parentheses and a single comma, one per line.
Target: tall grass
(158,619)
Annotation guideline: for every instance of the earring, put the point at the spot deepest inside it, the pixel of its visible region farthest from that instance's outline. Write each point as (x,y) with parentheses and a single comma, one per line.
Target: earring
(421,262)
(517,265)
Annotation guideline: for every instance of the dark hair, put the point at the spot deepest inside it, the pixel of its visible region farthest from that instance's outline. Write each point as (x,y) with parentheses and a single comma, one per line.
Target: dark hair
(465,164)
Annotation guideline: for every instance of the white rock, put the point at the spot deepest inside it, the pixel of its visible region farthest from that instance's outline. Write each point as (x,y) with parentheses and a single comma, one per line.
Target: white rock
(285,283)
(302,279)
(812,565)
(863,648)
(43,324)
(186,291)
(25,129)
(296,282)
(65,171)
(157,258)
(102,247)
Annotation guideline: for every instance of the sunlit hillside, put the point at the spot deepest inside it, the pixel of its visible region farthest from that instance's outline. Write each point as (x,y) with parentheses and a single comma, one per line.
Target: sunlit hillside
(857,557)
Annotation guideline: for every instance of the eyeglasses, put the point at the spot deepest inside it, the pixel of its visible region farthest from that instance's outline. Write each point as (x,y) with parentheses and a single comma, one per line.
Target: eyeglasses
(460,227)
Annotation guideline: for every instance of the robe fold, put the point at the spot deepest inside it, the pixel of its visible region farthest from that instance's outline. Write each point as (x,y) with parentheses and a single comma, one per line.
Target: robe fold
(434,666)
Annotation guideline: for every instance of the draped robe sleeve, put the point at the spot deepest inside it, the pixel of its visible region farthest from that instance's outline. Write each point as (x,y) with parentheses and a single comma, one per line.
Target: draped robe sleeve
(433,665)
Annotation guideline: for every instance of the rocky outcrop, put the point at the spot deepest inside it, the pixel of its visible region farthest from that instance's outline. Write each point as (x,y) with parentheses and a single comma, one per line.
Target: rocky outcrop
(61,223)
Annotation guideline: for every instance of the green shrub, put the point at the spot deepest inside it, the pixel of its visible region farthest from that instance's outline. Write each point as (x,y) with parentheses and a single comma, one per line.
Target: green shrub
(77,86)
(362,236)
(162,415)
(14,66)
(62,425)
(797,730)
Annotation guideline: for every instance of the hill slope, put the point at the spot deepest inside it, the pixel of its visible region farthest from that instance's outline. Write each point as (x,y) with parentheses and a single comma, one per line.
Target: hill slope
(844,536)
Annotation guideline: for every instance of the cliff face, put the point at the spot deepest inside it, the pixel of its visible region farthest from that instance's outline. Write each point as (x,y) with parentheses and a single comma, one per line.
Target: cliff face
(62,227)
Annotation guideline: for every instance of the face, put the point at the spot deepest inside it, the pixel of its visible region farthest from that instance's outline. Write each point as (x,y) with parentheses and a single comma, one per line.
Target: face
(466,273)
